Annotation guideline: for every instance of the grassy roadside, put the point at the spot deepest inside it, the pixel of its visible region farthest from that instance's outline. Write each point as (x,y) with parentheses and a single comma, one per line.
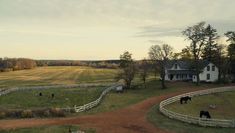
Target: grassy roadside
(46,129)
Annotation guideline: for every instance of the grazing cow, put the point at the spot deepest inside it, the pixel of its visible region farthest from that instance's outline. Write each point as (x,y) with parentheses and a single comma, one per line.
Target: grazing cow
(40,94)
(185,99)
(52,95)
(205,113)
(70,131)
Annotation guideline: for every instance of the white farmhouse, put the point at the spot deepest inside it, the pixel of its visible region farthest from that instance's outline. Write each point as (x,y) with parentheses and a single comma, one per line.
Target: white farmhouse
(182,71)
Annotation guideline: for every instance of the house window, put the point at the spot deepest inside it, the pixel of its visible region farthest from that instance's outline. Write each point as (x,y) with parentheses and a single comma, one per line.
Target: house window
(213,68)
(208,76)
(177,76)
(176,66)
(190,76)
(208,68)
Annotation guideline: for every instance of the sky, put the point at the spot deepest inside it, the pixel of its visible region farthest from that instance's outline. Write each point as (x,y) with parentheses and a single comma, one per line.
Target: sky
(103,29)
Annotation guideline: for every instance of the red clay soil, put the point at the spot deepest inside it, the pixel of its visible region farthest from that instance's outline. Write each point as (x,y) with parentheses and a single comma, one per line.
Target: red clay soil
(131,119)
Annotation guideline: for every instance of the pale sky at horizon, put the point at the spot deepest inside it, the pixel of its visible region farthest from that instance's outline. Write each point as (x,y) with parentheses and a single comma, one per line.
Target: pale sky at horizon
(103,29)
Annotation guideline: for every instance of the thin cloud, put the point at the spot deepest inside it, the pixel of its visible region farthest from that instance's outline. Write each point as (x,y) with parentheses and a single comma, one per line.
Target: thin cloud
(157,31)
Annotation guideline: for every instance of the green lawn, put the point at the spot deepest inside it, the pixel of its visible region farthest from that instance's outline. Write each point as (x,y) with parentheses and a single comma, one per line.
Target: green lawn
(45,129)
(63,98)
(224,103)
(56,75)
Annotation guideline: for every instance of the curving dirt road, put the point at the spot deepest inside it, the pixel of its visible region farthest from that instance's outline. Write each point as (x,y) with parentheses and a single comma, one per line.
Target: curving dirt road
(131,119)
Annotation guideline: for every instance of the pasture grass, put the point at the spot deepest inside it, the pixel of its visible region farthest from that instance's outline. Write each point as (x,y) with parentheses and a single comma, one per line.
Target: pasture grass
(224,105)
(64,97)
(163,122)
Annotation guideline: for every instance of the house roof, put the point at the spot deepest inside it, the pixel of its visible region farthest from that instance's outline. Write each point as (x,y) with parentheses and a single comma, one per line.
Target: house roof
(185,64)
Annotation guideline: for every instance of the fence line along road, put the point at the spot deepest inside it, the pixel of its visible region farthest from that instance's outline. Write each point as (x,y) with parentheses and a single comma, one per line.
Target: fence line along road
(196,120)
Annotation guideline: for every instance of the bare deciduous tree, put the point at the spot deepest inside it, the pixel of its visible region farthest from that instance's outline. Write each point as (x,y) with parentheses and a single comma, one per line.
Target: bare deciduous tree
(161,54)
(144,68)
(128,69)
(196,34)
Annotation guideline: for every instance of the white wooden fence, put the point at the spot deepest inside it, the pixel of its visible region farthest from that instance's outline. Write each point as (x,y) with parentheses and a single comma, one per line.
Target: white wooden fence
(197,120)
(96,102)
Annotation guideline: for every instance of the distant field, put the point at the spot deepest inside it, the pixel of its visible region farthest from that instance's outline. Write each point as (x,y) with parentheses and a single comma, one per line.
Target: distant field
(224,103)
(56,75)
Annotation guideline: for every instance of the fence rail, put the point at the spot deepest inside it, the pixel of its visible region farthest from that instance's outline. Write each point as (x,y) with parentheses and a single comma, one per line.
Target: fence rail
(96,102)
(197,120)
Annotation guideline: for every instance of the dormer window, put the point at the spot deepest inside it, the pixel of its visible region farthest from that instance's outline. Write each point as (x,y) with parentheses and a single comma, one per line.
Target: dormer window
(176,66)
(208,68)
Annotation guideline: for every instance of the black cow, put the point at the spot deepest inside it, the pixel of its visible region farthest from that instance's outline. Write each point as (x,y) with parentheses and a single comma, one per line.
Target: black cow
(185,99)
(205,113)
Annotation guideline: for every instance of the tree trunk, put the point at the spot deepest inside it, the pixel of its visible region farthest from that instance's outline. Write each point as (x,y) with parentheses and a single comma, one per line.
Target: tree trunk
(219,75)
(144,83)
(129,85)
(197,72)
(163,77)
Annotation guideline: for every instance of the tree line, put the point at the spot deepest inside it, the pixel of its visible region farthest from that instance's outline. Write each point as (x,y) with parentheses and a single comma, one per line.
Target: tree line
(14,64)
(205,44)
(112,64)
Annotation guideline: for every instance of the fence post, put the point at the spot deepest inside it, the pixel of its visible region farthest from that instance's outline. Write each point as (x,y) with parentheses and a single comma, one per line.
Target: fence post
(234,123)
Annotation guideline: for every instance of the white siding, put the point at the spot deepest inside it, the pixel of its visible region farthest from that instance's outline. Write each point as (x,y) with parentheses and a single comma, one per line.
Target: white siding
(203,75)
(173,68)
(174,76)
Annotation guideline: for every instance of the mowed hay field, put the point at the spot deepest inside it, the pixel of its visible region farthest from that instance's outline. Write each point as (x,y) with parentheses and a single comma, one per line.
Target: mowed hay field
(56,75)
(223,102)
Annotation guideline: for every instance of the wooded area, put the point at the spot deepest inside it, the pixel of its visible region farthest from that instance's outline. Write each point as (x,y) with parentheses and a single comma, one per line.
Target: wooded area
(14,64)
